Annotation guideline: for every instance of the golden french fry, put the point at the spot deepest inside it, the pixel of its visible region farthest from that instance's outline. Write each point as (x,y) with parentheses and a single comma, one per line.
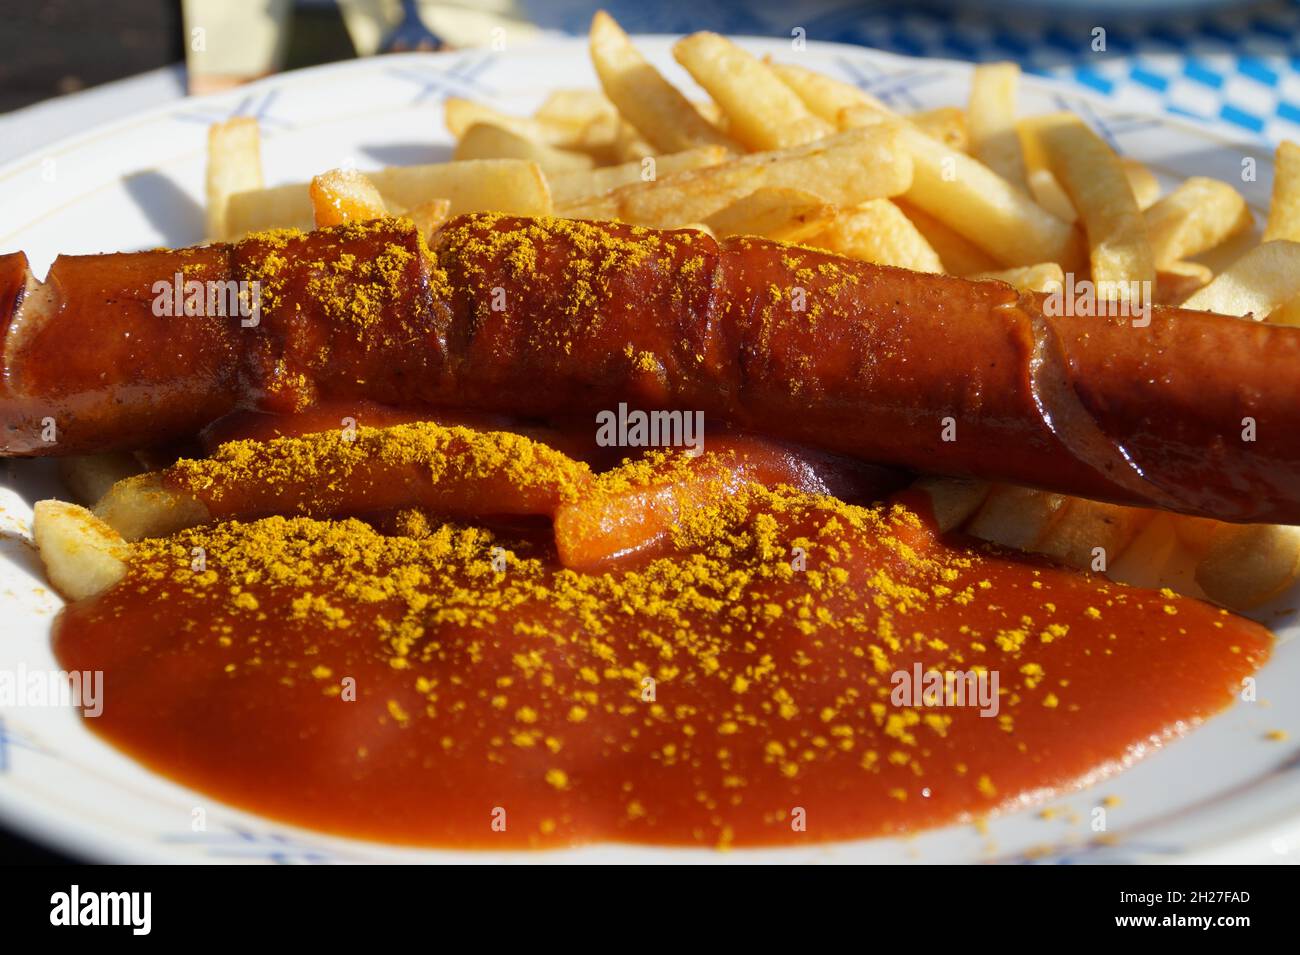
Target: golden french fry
(81,554)
(976,202)
(1151,555)
(992,120)
(485,141)
(1255,285)
(1196,216)
(645,99)
(575,108)
(774,212)
(1142,181)
(1284,209)
(846,169)
(1017,517)
(460,114)
(344,195)
(878,231)
(140,507)
(1091,535)
(1092,175)
(513,186)
(1176,282)
(1043,277)
(762,112)
(568,187)
(947,124)
(1247,565)
(1051,195)
(959,255)
(823,96)
(234,165)
(953,500)
(429,216)
(88,477)
(279,207)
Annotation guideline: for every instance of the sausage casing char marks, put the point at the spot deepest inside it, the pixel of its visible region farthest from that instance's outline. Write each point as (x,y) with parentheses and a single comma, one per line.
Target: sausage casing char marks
(544,317)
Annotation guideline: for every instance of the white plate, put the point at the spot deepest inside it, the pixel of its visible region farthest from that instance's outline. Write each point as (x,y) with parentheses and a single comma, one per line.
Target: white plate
(1222,793)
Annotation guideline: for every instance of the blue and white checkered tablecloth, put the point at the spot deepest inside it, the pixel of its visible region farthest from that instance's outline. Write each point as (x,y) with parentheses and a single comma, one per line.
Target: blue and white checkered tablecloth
(1238,63)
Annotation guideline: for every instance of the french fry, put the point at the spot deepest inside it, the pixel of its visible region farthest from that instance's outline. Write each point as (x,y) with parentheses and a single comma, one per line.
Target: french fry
(88,477)
(774,212)
(1017,517)
(575,108)
(1284,209)
(460,114)
(953,500)
(1255,285)
(878,231)
(278,207)
(947,124)
(513,186)
(1247,565)
(1091,535)
(234,165)
(567,187)
(959,255)
(845,169)
(429,216)
(1142,181)
(140,507)
(644,98)
(1198,215)
(762,112)
(824,96)
(485,141)
(1043,277)
(991,117)
(978,203)
(81,554)
(344,195)
(1179,281)
(1151,556)
(1119,251)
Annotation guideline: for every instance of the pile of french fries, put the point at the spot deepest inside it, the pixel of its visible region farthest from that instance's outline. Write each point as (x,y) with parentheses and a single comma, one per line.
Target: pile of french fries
(783,152)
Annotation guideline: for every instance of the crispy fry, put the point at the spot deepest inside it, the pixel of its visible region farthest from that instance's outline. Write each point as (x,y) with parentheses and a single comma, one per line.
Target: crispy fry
(88,477)
(1043,277)
(826,97)
(645,99)
(575,108)
(774,212)
(1178,281)
(978,203)
(279,207)
(486,141)
(1247,565)
(953,500)
(140,507)
(846,169)
(1284,209)
(1143,182)
(344,195)
(762,112)
(81,554)
(878,231)
(947,124)
(1092,175)
(1256,284)
(460,114)
(568,187)
(1196,216)
(960,256)
(992,120)
(234,165)
(429,216)
(1091,535)
(1016,517)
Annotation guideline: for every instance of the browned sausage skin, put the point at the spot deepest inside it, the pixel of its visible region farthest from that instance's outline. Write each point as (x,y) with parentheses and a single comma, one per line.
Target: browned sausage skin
(1194,412)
